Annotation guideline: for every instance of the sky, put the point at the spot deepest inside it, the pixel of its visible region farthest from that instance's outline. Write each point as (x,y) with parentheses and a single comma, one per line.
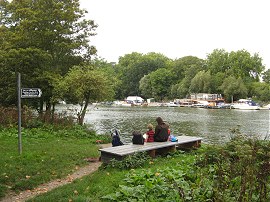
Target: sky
(178,28)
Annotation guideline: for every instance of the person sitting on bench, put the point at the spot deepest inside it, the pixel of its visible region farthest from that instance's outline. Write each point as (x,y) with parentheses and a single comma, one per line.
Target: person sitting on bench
(161,131)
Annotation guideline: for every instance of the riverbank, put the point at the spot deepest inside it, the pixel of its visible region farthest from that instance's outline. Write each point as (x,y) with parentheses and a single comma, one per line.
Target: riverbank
(184,175)
(231,172)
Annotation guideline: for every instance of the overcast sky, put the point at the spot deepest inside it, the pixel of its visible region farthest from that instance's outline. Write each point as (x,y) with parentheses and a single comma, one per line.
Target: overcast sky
(178,28)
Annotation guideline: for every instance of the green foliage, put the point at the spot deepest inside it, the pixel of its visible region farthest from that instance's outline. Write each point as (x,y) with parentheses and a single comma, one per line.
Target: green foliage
(84,84)
(235,171)
(131,161)
(233,87)
(239,170)
(241,65)
(41,38)
(181,89)
(202,82)
(160,83)
(187,67)
(164,183)
(261,91)
(133,67)
(266,76)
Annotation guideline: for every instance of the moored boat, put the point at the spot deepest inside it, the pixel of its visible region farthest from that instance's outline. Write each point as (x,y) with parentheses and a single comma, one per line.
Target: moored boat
(246,104)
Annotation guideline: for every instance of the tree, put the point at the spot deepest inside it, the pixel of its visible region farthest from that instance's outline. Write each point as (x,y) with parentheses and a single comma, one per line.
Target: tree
(243,65)
(239,64)
(132,67)
(187,66)
(261,91)
(266,76)
(218,61)
(146,86)
(201,83)
(55,31)
(234,89)
(161,83)
(83,85)
(181,90)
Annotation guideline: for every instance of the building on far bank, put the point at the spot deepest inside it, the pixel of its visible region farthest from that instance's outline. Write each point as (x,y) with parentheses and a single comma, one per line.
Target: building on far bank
(205,96)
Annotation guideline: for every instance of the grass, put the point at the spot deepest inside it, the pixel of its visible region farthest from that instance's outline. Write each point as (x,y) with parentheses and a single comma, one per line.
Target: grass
(107,180)
(236,171)
(48,153)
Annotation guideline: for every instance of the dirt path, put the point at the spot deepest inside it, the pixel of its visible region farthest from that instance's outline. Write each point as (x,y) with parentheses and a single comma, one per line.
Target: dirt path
(25,195)
(80,172)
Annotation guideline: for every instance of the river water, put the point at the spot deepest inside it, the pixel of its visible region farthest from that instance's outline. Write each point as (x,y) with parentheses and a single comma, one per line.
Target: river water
(213,125)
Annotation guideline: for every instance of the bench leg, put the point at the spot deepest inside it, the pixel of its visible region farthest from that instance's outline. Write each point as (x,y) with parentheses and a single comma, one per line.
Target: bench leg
(190,145)
(166,150)
(152,153)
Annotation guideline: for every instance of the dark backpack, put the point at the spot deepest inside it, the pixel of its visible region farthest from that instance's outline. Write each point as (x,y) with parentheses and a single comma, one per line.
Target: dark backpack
(137,138)
(116,139)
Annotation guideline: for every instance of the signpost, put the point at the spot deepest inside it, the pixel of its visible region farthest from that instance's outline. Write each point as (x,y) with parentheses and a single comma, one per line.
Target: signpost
(24,93)
(30,93)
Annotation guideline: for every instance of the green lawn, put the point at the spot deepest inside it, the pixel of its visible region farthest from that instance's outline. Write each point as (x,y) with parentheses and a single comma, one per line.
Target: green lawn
(46,154)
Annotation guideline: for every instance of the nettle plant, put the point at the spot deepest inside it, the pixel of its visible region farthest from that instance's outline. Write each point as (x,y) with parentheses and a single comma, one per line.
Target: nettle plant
(131,161)
(241,168)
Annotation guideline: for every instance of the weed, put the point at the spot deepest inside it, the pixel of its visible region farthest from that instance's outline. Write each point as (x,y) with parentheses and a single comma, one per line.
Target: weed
(131,161)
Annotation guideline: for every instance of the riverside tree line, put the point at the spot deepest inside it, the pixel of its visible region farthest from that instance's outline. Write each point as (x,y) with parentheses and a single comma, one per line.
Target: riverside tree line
(48,42)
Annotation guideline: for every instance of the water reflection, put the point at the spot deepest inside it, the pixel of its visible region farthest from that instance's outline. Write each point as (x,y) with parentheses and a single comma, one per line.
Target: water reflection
(212,124)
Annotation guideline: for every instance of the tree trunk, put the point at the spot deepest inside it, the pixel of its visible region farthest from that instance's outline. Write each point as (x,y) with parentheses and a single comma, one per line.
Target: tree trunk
(40,111)
(82,115)
(52,113)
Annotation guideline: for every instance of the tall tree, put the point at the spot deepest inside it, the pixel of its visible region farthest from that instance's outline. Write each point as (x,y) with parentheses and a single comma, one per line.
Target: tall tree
(132,67)
(218,61)
(201,83)
(161,83)
(246,66)
(234,89)
(55,30)
(187,66)
(185,69)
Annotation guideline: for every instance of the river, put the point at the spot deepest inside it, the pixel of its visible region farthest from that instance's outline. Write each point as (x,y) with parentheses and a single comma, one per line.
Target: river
(213,125)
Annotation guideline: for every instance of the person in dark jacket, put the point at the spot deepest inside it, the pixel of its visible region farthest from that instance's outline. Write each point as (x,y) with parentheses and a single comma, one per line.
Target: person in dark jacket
(161,131)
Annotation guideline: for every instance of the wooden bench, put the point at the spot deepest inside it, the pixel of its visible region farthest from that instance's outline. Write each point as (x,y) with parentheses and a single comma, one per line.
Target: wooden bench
(153,148)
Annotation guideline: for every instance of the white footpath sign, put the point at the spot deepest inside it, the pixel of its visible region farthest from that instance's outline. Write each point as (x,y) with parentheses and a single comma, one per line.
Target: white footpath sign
(31,92)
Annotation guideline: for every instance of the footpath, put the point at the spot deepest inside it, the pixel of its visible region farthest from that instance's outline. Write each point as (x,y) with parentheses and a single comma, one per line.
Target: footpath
(43,188)
(26,195)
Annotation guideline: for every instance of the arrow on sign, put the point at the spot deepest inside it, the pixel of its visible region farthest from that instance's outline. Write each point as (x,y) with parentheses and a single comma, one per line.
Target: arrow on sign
(30,92)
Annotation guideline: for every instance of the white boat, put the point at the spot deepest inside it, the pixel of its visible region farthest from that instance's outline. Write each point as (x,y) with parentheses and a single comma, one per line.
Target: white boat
(172,104)
(267,107)
(200,103)
(245,104)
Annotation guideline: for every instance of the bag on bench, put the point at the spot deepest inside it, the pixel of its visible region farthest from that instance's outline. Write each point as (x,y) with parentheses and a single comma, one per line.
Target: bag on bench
(116,138)
(137,138)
